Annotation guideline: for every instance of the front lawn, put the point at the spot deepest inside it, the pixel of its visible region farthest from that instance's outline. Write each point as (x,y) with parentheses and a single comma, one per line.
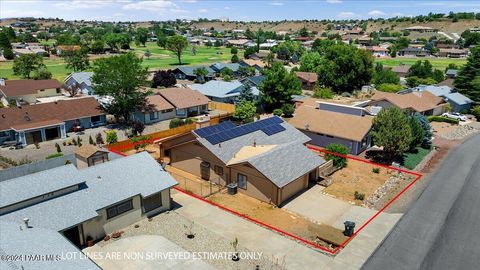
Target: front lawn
(438,63)
(412,159)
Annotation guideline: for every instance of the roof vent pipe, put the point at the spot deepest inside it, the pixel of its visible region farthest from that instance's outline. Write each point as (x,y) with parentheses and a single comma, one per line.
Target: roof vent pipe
(25,220)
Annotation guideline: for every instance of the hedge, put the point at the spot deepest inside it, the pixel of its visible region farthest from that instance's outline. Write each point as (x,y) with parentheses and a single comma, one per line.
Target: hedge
(443,119)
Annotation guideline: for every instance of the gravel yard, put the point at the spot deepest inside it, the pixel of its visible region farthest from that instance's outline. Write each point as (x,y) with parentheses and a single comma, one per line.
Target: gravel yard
(174,227)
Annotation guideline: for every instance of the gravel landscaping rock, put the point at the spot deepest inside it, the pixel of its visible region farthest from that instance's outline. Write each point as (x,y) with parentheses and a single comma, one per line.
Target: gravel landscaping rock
(391,183)
(459,133)
(174,227)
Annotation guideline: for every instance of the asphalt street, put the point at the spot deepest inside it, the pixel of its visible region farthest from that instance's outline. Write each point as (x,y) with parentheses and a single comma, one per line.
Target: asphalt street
(442,228)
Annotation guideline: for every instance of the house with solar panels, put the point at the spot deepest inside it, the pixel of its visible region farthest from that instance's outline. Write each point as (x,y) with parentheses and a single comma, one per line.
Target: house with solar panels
(267,159)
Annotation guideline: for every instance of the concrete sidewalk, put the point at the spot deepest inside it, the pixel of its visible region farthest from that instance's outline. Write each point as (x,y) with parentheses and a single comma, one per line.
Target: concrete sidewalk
(276,246)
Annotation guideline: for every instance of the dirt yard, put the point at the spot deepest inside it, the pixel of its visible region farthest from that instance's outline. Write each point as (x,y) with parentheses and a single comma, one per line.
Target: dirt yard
(193,184)
(357,176)
(153,150)
(280,218)
(442,128)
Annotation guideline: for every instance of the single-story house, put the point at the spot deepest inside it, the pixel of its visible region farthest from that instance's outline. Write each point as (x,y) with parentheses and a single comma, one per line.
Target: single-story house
(378,51)
(457,101)
(413,51)
(47,121)
(257,64)
(238,43)
(67,48)
(90,155)
(267,159)
(422,102)
(158,109)
(221,91)
(188,73)
(268,45)
(334,123)
(421,29)
(253,81)
(259,55)
(27,91)
(451,73)
(308,79)
(83,79)
(401,71)
(453,53)
(61,209)
(218,67)
(186,101)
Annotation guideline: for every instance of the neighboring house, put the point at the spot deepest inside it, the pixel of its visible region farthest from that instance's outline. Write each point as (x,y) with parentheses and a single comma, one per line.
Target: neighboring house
(27,91)
(453,53)
(457,101)
(238,43)
(219,67)
(422,102)
(266,159)
(334,123)
(268,45)
(47,121)
(378,51)
(260,55)
(188,73)
(221,91)
(90,155)
(257,64)
(83,79)
(28,48)
(186,101)
(308,79)
(253,81)
(451,73)
(412,52)
(61,209)
(158,109)
(401,71)
(421,29)
(67,48)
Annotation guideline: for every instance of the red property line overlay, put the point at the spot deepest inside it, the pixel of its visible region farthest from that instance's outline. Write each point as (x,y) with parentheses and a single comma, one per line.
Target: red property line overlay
(304,241)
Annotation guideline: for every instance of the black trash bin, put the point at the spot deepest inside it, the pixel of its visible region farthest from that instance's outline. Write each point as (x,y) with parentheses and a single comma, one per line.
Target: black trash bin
(349,228)
(232,188)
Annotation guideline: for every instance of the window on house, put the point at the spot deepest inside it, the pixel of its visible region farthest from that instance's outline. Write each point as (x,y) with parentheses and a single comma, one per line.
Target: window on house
(152,202)
(153,115)
(218,170)
(4,134)
(167,111)
(181,111)
(241,180)
(119,209)
(95,119)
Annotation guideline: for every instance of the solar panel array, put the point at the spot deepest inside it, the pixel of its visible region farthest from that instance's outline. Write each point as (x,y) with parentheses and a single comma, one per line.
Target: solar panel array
(227,130)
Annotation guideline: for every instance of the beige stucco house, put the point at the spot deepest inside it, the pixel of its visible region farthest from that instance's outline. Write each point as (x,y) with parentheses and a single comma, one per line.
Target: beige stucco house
(28,91)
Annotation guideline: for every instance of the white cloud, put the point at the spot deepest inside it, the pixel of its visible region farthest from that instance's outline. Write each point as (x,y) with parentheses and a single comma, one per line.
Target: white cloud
(334,1)
(203,10)
(377,13)
(159,6)
(227,8)
(347,15)
(84,4)
(276,4)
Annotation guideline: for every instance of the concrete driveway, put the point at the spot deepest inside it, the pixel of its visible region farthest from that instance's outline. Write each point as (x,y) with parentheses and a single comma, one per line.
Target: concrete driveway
(129,249)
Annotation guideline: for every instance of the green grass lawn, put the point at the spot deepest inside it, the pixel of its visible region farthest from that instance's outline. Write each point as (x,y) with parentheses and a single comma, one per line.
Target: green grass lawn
(411,160)
(160,58)
(438,63)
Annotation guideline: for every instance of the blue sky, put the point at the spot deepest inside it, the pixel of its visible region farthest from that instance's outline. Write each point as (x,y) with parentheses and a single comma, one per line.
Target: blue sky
(129,10)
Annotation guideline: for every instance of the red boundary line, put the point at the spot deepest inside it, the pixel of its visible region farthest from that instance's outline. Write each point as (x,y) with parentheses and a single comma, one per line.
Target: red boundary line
(342,245)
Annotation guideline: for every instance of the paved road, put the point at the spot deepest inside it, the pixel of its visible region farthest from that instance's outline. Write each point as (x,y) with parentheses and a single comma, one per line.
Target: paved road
(442,229)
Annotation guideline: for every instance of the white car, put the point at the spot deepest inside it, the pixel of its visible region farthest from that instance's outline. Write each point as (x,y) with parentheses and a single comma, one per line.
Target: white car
(455,116)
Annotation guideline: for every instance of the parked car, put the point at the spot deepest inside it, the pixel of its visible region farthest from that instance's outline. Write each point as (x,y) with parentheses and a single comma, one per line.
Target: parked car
(455,116)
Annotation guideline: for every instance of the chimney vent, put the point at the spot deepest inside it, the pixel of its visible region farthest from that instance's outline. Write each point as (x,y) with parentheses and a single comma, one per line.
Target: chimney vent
(25,220)
(254,143)
(307,126)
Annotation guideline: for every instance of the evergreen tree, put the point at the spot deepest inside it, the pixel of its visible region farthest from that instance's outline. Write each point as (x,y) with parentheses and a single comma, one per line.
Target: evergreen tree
(467,81)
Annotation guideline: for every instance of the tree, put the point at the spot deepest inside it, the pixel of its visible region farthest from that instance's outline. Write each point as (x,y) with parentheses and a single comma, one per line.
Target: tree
(417,132)
(323,93)
(200,72)
(249,51)
(421,69)
(120,77)
(112,40)
(4,41)
(164,78)
(234,58)
(245,111)
(142,35)
(233,50)
(467,81)
(147,54)
(389,87)
(111,136)
(25,64)
(339,161)
(42,73)
(245,71)
(427,130)
(385,76)
(278,87)
(269,59)
(97,46)
(392,131)
(288,109)
(438,76)
(345,68)
(77,60)
(138,128)
(246,93)
(309,62)
(8,53)
(177,44)
(73,89)
(161,40)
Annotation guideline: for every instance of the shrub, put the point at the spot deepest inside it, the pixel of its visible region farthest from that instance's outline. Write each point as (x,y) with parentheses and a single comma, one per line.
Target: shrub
(176,122)
(476,112)
(111,136)
(234,59)
(376,170)
(389,87)
(99,138)
(288,110)
(59,150)
(278,112)
(341,149)
(54,155)
(359,196)
(443,119)
(90,140)
(323,92)
(138,128)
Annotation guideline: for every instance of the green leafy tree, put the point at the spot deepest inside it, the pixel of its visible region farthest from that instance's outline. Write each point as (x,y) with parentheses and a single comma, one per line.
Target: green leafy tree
(120,77)
(336,148)
(467,81)
(42,73)
(389,87)
(476,112)
(77,60)
(8,53)
(309,62)
(345,68)
(288,109)
(392,131)
(234,58)
(246,93)
(438,75)
(111,136)
(278,87)
(421,69)
(200,72)
(161,40)
(26,64)
(97,46)
(245,110)
(323,93)
(142,35)
(385,76)
(177,44)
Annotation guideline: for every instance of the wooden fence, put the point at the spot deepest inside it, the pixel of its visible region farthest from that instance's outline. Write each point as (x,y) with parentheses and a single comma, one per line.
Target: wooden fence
(226,107)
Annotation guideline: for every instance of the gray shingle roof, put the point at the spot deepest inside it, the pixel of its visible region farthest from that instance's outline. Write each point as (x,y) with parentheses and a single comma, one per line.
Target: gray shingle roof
(33,185)
(458,98)
(81,77)
(219,66)
(283,164)
(106,184)
(39,242)
(221,89)
(190,69)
